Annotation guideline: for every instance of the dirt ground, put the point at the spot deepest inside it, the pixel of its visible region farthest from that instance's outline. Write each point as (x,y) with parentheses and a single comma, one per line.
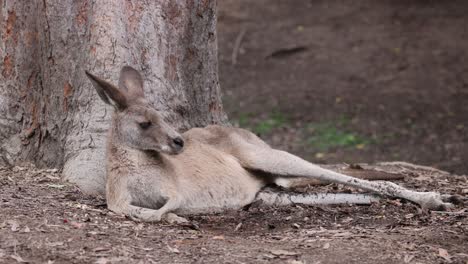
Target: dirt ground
(374,80)
(43,220)
(388,79)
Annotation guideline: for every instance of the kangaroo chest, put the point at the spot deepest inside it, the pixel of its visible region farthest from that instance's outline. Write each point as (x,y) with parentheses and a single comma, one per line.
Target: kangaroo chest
(201,179)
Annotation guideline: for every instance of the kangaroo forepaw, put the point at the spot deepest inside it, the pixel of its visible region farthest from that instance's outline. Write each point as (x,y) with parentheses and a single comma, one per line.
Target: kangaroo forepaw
(144,215)
(435,202)
(133,218)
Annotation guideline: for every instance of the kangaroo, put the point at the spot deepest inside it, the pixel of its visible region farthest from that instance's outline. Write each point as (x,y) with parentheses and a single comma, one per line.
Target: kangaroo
(155,173)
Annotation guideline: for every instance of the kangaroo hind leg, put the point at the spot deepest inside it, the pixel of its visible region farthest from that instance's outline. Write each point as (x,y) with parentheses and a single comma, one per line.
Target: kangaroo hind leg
(280,164)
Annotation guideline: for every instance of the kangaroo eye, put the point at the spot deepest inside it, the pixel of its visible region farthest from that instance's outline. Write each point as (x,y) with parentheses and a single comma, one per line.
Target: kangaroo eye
(145,125)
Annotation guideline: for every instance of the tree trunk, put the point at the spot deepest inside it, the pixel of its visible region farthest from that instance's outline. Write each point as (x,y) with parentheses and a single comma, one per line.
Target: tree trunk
(50,112)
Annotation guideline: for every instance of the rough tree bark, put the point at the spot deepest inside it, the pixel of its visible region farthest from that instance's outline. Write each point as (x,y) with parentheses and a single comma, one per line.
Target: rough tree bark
(50,114)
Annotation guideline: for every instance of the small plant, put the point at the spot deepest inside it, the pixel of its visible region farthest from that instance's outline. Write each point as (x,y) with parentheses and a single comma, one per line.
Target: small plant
(276,119)
(261,126)
(244,119)
(326,135)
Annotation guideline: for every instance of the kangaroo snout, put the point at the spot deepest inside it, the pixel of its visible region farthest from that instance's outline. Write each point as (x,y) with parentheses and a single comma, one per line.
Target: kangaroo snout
(177,144)
(178,141)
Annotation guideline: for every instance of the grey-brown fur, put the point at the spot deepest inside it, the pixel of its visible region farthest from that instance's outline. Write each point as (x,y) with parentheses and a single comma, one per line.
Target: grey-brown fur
(153,172)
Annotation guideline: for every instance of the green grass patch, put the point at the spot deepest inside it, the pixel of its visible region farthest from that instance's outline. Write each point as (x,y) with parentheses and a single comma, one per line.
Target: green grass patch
(275,120)
(262,126)
(325,136)
(244,120)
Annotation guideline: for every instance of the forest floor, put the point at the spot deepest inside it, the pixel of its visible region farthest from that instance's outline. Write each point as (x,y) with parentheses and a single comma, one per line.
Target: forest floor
(43,220)
(350,81)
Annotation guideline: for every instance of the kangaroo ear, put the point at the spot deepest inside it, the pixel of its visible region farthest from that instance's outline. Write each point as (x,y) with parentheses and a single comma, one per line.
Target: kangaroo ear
(131,81)
(108,92)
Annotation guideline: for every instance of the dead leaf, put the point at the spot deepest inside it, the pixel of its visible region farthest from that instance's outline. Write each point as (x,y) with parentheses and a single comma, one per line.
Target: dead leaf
(238,226)
(396,202)
(293,261)
(443,253)
(408,216)
(56,186)
(14,225)
(100,249)
(18,259)
(102,261)
(26,229)
(281,252)
(343,234)
(326,246)
(408,258)
(77,225)
(55,244)
(218,237)
(319,155)
(173,250)
(269,256)
(139,227)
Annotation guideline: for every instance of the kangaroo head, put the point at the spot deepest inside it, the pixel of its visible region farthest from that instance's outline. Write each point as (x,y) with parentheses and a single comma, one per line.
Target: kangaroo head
(136,124)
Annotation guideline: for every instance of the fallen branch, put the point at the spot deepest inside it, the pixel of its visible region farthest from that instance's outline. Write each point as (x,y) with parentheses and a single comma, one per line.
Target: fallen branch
(277,199)
(237,43)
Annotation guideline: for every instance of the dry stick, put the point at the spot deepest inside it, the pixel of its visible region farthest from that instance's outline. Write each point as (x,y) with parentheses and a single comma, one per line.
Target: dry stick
(406,165)
(461,212)
(237,44)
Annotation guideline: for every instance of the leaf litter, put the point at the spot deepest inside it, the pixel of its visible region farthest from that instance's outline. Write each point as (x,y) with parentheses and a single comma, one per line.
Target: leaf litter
(62,225)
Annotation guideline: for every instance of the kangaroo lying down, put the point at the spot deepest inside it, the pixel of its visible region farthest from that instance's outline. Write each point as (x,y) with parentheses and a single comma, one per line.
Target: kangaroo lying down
(155,173)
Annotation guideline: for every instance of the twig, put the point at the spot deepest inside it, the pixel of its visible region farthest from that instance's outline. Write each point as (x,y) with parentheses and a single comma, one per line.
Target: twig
(461,212)
(237,43)
(413,166)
